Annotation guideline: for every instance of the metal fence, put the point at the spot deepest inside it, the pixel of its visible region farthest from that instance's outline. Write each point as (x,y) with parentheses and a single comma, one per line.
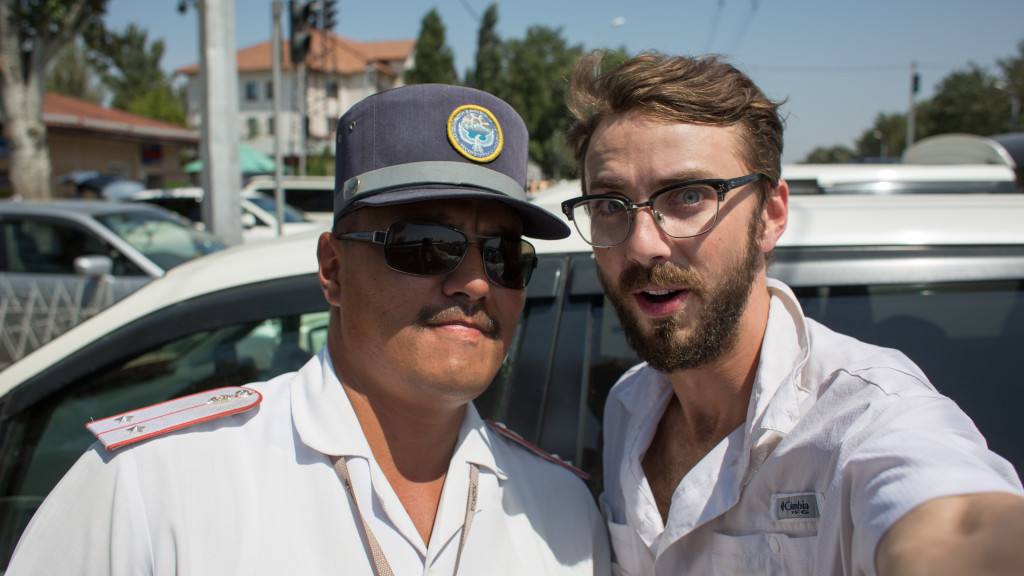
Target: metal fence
(35,309)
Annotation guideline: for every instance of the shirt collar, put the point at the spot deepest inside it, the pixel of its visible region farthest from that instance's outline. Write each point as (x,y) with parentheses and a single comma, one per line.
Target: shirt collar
(326,422)
(776,397)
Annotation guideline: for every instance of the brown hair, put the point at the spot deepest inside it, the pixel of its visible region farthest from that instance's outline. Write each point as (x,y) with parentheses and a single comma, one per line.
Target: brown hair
(701,90)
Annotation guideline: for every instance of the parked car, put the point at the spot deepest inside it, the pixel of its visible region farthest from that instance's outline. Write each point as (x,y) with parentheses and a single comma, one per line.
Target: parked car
(258,211)
(63,261)
(314,195)
(941,277)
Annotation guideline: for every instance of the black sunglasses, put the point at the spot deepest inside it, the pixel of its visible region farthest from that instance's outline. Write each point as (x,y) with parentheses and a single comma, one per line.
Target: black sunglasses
(425,249)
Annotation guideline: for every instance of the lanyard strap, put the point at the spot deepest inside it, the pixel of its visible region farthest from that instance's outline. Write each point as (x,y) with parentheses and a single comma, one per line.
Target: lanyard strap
(380,562)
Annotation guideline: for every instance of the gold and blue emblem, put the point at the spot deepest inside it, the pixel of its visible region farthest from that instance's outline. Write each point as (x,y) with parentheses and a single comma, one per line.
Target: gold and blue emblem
(475,133)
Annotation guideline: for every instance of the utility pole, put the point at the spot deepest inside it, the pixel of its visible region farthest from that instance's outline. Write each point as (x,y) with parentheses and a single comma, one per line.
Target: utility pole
(278,156)
(915,86)
(218,70)
(301,17)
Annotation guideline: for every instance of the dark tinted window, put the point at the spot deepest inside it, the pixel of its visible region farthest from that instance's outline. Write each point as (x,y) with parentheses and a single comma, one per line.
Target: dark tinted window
(43,246)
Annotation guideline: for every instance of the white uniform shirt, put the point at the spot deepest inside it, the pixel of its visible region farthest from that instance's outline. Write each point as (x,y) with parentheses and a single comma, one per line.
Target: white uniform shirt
(255,493)
(841,439)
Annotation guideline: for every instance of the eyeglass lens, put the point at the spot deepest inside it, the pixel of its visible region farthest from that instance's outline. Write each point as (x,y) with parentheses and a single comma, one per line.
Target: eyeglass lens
(681,212)
(433,250)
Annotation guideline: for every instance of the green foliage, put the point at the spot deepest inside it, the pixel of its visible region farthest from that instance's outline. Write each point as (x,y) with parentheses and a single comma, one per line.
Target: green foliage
(538,70)
(434,61)
(830,155)
(488,75)
(886,138)
(967,101)
(129,64)
(160,103)
(72,74)
(321,164)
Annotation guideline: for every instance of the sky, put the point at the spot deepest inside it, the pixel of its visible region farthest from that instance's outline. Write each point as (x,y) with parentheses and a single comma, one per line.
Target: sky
(837,64)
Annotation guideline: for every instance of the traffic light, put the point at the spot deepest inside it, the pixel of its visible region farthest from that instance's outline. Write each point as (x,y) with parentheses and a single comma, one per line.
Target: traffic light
(300,13)
(329,14)
(916,84)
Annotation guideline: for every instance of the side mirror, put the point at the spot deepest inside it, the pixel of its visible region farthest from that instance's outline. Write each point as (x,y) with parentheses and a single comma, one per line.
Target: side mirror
(93,265)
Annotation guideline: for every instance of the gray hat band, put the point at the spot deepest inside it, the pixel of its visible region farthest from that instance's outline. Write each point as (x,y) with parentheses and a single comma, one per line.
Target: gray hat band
(423,174)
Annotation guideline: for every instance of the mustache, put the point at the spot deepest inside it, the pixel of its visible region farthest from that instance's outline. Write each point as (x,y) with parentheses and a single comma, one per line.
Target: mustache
(637,277)
(433,315)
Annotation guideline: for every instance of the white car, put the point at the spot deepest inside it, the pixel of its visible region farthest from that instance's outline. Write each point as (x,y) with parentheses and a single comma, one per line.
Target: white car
(258,211)
(939,276)
(63,261)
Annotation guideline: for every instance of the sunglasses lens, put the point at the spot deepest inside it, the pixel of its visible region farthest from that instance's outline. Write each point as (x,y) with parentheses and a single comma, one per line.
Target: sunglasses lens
(508,262)
(432,250)
(424,249)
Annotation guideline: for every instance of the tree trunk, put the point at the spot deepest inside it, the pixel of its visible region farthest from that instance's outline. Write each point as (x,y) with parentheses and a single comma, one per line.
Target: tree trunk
(21,99)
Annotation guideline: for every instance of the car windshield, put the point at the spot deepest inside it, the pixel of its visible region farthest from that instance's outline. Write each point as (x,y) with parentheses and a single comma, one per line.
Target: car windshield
(291,214)
(161,237)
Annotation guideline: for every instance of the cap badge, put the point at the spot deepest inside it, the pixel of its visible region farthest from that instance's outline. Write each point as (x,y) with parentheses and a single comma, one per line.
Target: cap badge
(475,133)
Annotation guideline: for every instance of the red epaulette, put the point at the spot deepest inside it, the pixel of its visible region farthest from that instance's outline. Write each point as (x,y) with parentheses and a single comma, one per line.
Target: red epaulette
(130,427)
(516,438)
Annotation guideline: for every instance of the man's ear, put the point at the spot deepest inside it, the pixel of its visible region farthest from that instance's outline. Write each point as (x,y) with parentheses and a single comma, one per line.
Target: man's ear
(327,254)
(776,215)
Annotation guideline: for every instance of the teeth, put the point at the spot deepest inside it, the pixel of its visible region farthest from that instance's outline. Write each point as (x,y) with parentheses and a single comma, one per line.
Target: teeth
(658,292)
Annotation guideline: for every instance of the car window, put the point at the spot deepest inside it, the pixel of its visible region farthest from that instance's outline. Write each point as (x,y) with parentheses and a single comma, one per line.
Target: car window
(964,336)
(270,206)
(43,246)
(51,434)
(160,237)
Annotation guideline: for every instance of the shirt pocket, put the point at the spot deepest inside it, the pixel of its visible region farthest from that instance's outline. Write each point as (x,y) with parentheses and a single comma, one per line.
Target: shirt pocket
(771,553)
(630,556)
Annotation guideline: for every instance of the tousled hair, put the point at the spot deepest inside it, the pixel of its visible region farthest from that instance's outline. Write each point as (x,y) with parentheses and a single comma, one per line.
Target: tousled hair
(679,89)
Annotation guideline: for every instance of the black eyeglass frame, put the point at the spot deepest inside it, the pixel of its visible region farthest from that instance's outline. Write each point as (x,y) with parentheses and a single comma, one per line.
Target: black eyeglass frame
(721,186)
(381,237)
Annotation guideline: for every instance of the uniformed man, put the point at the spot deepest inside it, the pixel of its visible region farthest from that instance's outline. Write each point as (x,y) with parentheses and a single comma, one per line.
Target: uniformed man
(371,459)
(754,440)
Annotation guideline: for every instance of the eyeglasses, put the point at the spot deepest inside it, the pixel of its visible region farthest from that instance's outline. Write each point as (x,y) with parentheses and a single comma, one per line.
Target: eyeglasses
(682,210)
(425,249)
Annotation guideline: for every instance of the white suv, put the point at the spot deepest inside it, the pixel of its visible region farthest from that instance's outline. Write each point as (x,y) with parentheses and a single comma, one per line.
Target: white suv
(940,277)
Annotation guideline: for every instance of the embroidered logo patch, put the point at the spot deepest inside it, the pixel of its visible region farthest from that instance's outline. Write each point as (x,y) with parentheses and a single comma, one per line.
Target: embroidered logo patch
(475,133)
(795,506)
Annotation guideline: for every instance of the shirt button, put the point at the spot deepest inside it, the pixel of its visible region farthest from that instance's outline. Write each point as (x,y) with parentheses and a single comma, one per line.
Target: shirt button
(773,543)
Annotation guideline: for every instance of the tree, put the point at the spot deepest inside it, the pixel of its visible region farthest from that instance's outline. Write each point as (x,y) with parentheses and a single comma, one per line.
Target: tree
(490,58)
(161,103)
(968,101)
(130,65)
(538,70)
(1013,84)
(73,74)
(832,155)
(32,33)
(886,138)
(434,61)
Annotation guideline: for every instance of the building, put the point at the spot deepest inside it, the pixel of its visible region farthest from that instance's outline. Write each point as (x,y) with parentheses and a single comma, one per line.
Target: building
(339,72)
(82,135)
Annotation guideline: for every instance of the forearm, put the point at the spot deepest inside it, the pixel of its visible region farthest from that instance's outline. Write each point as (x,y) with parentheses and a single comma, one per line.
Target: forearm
(971,534)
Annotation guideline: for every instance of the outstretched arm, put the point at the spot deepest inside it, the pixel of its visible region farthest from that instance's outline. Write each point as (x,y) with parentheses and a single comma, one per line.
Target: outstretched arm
(970,534)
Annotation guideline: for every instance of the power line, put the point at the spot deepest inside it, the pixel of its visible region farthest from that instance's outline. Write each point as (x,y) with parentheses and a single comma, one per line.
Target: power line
(714,25)
(746,25)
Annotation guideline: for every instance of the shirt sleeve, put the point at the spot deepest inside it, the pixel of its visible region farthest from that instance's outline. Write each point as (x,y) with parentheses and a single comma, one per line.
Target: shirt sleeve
(91,523)
(916,447)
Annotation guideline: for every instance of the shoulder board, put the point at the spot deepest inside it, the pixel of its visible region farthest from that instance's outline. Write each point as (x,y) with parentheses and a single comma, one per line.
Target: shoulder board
(503,430)
(130,427)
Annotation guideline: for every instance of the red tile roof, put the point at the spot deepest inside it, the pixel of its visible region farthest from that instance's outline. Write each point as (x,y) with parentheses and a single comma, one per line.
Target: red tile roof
(328,52)
(60,111)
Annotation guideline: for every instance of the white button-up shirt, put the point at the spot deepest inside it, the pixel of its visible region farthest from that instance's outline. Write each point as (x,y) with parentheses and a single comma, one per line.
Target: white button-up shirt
(255,493)
(841,439)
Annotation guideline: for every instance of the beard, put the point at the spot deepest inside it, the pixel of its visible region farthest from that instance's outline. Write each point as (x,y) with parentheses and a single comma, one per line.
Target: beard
(721,306)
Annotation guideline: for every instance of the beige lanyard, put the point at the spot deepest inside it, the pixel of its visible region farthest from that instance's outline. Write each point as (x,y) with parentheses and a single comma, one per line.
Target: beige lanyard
(380,563)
